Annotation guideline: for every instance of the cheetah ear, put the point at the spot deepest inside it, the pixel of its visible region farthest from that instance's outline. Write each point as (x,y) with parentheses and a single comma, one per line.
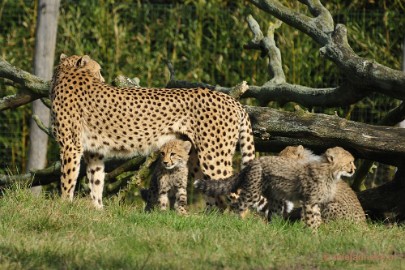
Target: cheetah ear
(300,150)
(83,61)
(329,156)
(62,56)
(187,146)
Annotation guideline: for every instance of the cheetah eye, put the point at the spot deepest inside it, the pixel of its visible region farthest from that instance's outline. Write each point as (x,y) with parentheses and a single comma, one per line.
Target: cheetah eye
(172,154)
(162,154)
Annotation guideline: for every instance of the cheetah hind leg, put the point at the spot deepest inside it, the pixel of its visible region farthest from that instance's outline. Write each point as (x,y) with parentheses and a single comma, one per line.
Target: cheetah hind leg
(211,203)
(244,202)
(70,167)
(95,174)
(274,207)
(311,215)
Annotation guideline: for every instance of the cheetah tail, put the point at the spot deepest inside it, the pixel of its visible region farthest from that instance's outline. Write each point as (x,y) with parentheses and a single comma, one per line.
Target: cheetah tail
(217,187)
(246,142)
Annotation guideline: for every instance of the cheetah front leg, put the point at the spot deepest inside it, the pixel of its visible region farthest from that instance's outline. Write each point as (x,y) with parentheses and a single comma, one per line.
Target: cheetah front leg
(163,191)
(181,197)
(95,174)
(223,170)
(196,172)
(311,215)
(70,167)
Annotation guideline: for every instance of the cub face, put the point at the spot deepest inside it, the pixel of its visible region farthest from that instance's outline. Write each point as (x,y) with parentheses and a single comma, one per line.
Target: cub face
(175,154)
(84,62)
(342,162)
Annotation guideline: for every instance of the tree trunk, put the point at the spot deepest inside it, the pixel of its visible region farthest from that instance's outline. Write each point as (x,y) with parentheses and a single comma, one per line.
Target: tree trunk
(387,198)
(46,30)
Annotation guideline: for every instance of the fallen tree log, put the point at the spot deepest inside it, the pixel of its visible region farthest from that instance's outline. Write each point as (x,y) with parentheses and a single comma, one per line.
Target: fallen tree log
(387,198)
(275,129)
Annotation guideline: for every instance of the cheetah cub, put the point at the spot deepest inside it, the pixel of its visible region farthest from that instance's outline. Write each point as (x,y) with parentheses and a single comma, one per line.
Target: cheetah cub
(300,154)
(282,179)
(345,205)
(170,176)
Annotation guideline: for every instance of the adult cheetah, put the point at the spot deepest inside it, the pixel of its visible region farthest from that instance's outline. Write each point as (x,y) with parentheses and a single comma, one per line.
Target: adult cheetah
(98,120)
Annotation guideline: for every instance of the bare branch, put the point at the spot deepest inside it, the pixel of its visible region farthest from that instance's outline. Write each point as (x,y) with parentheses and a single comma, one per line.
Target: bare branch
(137,178)
(31,86)
(306,96)
(17,100)
(363,72)
(36,177)
(255,28)
(29,82)
(131,164)
(236,92)
(364,75)
(171,71)
(278,90)
(42,126)
(323,19)
(268,46)
(122,81)
(47,102)
(300,21)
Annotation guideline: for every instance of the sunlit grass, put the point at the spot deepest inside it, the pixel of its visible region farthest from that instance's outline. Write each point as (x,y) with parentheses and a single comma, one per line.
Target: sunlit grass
(37,232)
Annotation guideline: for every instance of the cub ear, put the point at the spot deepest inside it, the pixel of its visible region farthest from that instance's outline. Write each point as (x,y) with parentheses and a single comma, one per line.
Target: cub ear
(83,61)
(187,146)
(329,155)
(300,151)
(62,56)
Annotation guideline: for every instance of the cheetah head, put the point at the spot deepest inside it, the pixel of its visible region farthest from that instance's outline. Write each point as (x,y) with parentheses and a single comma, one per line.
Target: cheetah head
(83,62)
(299,153)
(174,154)
(342,162)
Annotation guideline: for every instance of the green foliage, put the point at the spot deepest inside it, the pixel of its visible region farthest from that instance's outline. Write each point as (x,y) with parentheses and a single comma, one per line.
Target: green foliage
(17,28)
(40,233)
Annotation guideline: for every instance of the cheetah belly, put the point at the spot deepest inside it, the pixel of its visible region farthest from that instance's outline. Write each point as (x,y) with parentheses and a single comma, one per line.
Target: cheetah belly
(125,147)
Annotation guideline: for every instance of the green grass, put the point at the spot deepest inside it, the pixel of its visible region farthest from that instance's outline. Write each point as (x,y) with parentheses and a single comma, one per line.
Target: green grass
(44,233)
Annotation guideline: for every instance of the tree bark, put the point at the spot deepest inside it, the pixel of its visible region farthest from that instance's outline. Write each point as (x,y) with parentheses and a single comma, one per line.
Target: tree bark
(45,41)
(389,197)
(274,129)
